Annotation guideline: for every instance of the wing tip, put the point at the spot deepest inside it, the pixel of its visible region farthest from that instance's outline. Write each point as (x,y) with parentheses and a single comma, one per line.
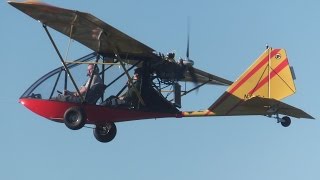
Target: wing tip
(28,2)
(11,2)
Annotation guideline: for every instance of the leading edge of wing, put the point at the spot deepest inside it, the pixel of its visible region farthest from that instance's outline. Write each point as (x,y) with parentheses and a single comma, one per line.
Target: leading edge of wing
(86,29)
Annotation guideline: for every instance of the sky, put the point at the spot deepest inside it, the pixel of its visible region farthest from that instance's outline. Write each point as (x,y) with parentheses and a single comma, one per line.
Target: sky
(225,38)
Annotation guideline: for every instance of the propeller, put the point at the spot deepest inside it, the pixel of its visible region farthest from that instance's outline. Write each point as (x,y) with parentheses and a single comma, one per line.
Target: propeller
(188,40)
(188,62)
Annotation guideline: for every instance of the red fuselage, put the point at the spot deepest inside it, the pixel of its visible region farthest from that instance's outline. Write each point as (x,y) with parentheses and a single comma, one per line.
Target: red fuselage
(54,110)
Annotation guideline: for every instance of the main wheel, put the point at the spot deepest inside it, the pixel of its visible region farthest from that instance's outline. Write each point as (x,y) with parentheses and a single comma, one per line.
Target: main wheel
(286,121)
(75,118)
(105,133)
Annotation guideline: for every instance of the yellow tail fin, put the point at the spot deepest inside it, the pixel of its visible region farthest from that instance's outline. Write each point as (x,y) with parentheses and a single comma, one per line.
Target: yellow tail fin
(269,76)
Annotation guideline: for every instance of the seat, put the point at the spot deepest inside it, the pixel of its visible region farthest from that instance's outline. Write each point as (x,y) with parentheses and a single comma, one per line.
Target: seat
(95,92)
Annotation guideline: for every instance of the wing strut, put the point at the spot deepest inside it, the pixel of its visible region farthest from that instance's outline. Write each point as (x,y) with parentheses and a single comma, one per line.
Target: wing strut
(122,75)
(70,35)
(62,61)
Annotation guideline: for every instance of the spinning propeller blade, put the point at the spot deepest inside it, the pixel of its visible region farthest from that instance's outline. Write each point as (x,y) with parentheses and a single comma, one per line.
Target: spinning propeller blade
(188,41)
(190,68)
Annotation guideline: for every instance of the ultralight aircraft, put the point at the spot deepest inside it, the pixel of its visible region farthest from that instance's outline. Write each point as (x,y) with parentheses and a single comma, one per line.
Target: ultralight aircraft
(257,91)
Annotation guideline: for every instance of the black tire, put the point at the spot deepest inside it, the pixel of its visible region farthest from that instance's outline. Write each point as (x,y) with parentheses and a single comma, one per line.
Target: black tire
(287,121)
(75,118)
(103,134)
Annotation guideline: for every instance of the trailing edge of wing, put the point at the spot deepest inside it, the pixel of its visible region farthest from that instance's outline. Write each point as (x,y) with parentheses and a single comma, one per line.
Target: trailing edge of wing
(86,29)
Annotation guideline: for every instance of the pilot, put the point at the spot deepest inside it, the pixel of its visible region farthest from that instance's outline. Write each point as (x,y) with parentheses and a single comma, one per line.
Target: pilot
(70,96)
(91,70)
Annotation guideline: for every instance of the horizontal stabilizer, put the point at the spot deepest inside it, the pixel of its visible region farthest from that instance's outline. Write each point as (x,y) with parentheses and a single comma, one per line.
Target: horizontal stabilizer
(272,106)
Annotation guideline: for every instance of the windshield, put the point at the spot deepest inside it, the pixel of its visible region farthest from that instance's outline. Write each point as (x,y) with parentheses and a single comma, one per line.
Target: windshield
(56,81)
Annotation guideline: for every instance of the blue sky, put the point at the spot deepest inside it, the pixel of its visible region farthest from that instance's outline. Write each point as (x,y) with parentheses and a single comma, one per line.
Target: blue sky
(226,37)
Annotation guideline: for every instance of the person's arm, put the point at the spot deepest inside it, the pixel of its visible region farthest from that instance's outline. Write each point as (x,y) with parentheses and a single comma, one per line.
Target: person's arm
(82,91)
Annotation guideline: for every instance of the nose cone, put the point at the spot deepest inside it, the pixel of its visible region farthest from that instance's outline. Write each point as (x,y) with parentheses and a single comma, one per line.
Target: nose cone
(21,101)
(46,108)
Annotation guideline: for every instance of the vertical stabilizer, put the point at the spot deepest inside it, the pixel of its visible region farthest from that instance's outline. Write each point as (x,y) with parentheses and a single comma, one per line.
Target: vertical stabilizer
(269,76)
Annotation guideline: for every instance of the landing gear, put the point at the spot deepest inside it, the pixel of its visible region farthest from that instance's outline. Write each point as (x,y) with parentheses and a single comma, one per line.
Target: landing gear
(75,118)
(105,133)
(285,121)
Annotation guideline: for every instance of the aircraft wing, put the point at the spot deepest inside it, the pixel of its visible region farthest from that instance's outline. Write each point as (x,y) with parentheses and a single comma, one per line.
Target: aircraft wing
(100,36)
(86,29)
(204,77)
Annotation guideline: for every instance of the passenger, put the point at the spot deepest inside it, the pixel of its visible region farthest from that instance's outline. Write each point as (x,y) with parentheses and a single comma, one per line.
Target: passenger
(131,95)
